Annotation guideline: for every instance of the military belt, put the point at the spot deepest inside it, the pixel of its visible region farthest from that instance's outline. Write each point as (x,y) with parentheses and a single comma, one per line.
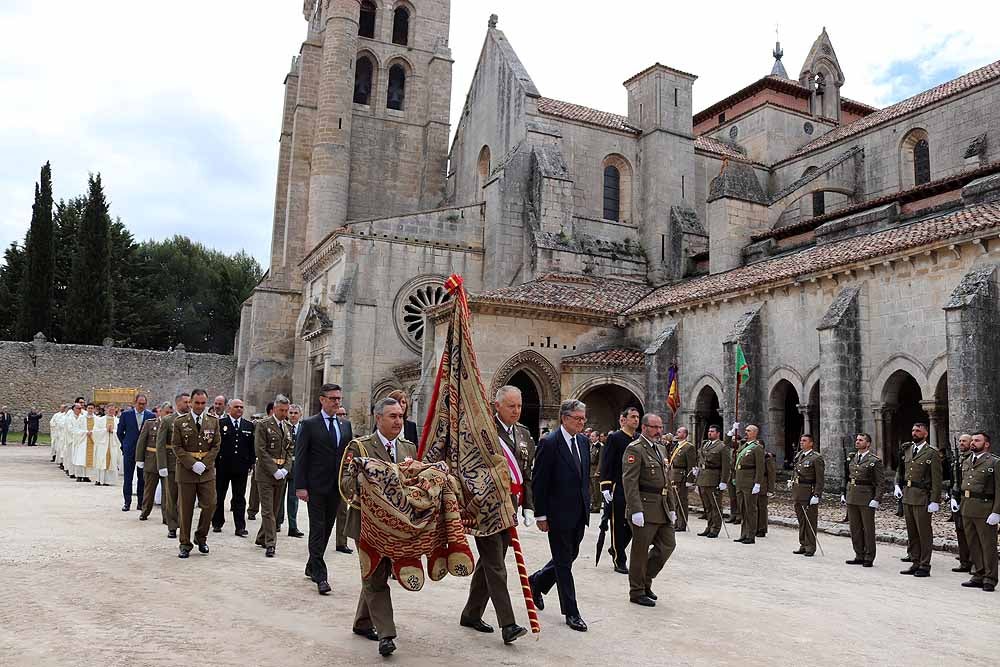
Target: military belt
(652,489)
(862,483)
(280,462)
(198,455)
(978,496)
(918,485)
(804,483)
(151,450)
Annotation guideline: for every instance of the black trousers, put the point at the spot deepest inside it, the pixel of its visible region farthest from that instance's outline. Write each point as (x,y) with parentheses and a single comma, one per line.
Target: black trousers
(32,438)
(621,529)
(3,435)
(565,547)
(322,516)
(237,478)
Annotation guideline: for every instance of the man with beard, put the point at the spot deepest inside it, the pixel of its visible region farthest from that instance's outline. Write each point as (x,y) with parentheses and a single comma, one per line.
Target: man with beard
(611,486)
(920,492)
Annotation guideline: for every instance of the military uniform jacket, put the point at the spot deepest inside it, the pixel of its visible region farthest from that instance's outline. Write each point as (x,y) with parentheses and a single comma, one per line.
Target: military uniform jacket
(237,448)
(147,442)
(714,463)
(272,442)
(750,465)
(809,476)
(369,446)
(770,474)
(866,478)
(682,460)
(523,449)
(646,481)
(980,486)
(192,444)
(921,482)
(956,488)
(164,444)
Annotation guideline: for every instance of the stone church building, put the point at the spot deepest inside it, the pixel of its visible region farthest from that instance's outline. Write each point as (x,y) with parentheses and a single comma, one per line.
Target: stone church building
(851,251)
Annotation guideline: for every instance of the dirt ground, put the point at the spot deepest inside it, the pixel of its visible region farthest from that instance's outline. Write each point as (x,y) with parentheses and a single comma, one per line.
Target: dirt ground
(83,583)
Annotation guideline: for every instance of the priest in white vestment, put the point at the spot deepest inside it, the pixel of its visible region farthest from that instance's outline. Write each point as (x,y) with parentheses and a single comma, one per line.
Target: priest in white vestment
(85,445)
(68,436)
(107,448)
(54,425)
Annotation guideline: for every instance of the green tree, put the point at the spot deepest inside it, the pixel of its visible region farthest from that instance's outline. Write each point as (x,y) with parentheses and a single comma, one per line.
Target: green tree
(89,315)
(36,299)
(67,226)
(14,261)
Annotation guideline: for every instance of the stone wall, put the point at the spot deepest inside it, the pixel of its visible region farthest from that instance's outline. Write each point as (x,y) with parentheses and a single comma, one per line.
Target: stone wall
(44,375)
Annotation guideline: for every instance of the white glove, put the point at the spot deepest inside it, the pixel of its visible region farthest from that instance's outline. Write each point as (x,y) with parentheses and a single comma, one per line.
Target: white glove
(873,504)
(198,467)
(933,507)
(788,485)
(723,486)
(673,517)
(638,520)
(279,474)
(843,499)
(529,517)
(607,496)
(690,485)
(897,492)
(954,505)
(814,500)
(756,490)
(140,465)
(733,430)
(694,471)
(993,519)
(163,472)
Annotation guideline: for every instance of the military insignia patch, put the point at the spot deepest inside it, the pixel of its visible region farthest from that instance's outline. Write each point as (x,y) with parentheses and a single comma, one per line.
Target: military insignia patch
(630,458)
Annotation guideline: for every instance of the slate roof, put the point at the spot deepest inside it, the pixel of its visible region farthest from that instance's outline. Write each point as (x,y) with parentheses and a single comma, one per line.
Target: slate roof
(570,292)
(619,357)
(954,87)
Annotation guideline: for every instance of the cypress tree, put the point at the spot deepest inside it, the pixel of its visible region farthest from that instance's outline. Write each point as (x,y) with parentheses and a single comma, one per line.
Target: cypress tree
(36,294)
(11,272)
(89,310)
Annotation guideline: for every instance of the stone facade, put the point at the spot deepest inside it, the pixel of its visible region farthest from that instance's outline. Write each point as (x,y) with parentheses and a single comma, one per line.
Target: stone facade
(44,375)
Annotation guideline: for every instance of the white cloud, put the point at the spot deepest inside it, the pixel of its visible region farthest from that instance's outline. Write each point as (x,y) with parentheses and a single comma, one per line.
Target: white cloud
(178,104)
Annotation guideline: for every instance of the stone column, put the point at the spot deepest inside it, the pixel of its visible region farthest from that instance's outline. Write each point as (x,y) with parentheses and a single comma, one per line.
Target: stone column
(660,355)
(878,436)
(748,332)
(934,422)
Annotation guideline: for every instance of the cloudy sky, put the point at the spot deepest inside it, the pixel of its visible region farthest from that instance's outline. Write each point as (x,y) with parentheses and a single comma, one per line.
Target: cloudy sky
(177,104)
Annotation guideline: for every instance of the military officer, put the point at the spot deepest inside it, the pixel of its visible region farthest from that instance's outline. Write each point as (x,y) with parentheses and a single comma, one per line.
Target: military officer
(807,490)
(166,462)
(195,438)
(964,556)
(374,617)
(650,505)
(922,479)
(683,469)
(712,477)
(145,455)
(489,579)
(981,511)
(272,443)
(865,486)
(595,471)
(749,479)
(766,491)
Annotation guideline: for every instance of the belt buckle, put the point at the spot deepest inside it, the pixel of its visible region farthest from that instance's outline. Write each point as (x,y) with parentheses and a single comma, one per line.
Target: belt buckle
(967,494)
(663,491)
(909,483)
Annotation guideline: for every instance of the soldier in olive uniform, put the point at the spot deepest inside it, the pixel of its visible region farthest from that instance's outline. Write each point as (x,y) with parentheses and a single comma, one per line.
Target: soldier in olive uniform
(272,442)
(766,491)
(595,471)
(374,617)
(865,486)
(196,439)
(749,479)
(167,462)
(964,556)
(807,490)
(921,493)
(981,511)
(712,477)
(650,506)
(683,468)
(145,455)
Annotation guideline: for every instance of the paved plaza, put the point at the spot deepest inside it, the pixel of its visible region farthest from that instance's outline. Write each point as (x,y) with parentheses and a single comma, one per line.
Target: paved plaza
(82,583)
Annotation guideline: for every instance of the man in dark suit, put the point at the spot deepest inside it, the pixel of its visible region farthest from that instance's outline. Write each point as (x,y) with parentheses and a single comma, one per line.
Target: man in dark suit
(232,466)
(5,420)
(319,448)
(561,491)
(129,428)
(34,421)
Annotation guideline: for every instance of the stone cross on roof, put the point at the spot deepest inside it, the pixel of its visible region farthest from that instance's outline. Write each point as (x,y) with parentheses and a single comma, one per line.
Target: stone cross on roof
(493,21)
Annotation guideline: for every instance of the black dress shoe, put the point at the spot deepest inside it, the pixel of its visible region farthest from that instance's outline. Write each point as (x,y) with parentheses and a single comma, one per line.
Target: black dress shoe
(972,583)
(651,595)
(962,568)
(143,518)
(922,573)
(576,623)
(621,570)
(251,517)
(536,595)
(809,554)
(125,508)
(171,534)
(703,533)
(512,632)
(203,548)
(855,561)
(868,563)
(750,540)
(989,588)
(905,559)
(478,625)
(910,571)
(296,533)
(799,551)
(762,534)
(370,633)
(216,529)
(712,535)
(183,553)
(269,552)
(242,532)
(323,587)
(386,647)
(740,539)
(344,550)
(643,601)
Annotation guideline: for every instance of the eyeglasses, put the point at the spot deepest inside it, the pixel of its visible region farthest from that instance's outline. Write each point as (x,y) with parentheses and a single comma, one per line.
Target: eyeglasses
(578,418)
(333,398)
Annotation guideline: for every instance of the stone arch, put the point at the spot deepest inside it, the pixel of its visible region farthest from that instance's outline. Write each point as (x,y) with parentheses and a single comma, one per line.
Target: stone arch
(902,390)
(708,380)
(399,72)
(707,407)
(483,168)
(914,148)
(785,422)
(788,374)
(398,18)
(624,168)
(366,77)
(898,362)
(542,373)
(938,369)
(606,396)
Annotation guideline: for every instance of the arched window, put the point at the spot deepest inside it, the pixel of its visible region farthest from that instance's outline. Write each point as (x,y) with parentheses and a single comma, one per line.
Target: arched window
(396,94)
(612,193)
(915,159)
(819,203)
(483,169)
(401,26)
(921,162)
(366,22)
(363,75)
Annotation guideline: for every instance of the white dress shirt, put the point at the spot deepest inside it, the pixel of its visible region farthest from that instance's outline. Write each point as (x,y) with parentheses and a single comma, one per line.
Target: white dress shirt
(388,444)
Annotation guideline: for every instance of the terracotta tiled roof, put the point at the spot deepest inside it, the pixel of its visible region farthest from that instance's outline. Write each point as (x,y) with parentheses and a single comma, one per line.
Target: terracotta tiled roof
(618,357)
(818,258)
(889,113)
(857,106)
(581,114)
(712,145)
(570,292)
(768,82)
